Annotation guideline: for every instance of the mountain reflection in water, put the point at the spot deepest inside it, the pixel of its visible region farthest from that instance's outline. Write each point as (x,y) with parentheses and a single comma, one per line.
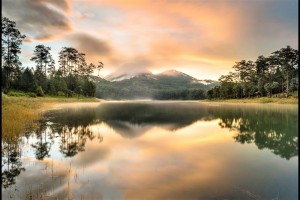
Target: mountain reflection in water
(68,130)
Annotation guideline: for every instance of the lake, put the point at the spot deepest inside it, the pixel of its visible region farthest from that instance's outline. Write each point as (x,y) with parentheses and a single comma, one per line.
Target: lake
(156,150)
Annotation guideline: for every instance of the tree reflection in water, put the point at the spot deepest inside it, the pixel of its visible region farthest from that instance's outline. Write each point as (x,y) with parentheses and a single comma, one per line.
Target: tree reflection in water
(271,127)
(43,145)
(11,161)
(73,139)
(274,129)
(72,136)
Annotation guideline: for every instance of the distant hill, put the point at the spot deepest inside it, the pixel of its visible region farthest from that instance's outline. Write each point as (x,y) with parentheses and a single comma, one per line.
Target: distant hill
(117,76)
(170,84)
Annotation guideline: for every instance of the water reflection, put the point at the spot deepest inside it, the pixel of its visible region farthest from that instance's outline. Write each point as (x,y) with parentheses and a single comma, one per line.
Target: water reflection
(43,145)
(74,138)
(11,161)
(133,119)
(72,126)
(268,127)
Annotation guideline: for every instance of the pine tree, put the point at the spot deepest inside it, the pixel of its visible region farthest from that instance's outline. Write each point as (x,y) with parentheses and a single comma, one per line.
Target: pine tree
(11,42)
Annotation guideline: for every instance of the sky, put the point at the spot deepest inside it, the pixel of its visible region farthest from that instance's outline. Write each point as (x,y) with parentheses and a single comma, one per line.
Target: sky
(202,38)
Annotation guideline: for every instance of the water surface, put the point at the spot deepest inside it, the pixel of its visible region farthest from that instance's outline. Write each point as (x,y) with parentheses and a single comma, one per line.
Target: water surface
(156,150)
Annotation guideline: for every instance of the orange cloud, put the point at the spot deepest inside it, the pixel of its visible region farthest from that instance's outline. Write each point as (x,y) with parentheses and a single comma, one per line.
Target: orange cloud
(189,35)
(173,32)
(41,19)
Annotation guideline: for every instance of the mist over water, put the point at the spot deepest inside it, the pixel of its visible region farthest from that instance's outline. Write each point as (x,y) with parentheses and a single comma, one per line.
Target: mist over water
(156,150)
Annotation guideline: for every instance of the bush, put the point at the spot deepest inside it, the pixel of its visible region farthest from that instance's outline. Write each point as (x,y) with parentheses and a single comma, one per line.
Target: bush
(31,94)
(4,95)
(60,93)
(39,91)
(295,94)
(71,93)
(16,94)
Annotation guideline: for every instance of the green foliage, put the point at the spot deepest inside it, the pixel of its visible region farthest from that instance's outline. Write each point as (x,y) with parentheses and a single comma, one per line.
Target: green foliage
(43,59)
(41,85)
(28,81)
(72,78)
(183,94)
(61,94)
(148,86)
(276,74)
(3,95)
(31,94)
(39,91)
(14,93)
(10,48)
(70,93)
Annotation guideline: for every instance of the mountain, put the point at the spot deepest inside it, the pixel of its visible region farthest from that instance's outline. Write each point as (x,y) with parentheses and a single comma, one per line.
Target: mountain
(117,76)
(169,84)
(173,72)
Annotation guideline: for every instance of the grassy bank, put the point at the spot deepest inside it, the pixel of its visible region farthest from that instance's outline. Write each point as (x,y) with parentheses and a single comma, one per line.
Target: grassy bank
(291,100)
(21,113)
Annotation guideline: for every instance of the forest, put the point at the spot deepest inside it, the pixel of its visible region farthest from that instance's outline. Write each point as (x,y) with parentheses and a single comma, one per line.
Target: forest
(150,86)
(275,75)
(72,78)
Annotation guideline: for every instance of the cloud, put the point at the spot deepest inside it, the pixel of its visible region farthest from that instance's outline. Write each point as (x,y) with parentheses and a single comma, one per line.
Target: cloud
(135,64)
(95,48)
(93,155)
(194,34)
(90,44)
(39,19)
(188,35)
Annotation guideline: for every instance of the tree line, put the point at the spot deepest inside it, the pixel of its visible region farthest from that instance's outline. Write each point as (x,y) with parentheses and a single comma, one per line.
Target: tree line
(72,78)
(181,94)
(267,76)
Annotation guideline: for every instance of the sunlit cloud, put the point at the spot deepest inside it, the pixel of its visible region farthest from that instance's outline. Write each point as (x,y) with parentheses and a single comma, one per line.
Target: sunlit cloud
(93,47)
(40,20)
(204,38)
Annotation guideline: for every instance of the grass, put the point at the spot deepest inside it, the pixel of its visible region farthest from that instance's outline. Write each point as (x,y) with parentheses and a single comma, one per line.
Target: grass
(290,100)
(21,113)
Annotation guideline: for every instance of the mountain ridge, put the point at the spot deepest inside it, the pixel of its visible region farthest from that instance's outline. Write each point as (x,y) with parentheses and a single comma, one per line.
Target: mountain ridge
(120,77)
(170,84)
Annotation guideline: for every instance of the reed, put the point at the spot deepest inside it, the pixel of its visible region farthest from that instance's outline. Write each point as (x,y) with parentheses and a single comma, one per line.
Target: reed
(20,114)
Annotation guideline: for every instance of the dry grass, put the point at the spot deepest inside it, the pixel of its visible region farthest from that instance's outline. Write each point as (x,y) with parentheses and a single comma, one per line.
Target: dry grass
(21,113)
(291,100)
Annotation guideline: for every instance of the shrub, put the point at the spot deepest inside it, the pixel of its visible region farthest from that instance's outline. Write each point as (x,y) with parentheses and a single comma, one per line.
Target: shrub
(39,91)
(60,93)
(31,94)
(16,94)
(4,95)
(71,93)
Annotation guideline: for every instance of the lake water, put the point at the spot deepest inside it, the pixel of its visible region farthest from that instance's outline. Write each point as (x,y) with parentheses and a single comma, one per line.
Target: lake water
(156,150)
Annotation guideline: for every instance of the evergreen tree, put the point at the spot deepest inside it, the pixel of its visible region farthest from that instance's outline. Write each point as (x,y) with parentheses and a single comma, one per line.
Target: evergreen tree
(43,59)
(11,42)
(287,58)
(275,74)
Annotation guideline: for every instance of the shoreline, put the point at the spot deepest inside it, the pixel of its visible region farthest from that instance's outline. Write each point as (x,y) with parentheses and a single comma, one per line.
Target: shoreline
(261,100)
(20,114)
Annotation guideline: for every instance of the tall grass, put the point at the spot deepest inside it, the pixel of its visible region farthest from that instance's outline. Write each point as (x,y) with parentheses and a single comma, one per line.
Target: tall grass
(279,98)
(21,113)
(18,114)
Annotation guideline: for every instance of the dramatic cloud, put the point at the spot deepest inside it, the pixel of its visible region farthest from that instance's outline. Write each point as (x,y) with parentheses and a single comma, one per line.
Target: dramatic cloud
(94,48)
(204,38)
(132,66)
(39,19)
(199,37)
